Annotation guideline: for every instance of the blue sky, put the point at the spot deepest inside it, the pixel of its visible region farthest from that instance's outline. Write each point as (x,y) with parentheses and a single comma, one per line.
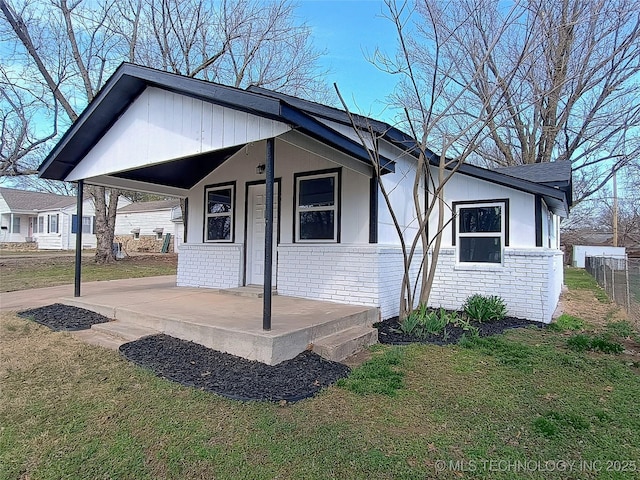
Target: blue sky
(348,30)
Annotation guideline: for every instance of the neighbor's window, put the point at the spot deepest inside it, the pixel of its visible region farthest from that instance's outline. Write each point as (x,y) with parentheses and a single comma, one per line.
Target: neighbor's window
(317,208)
(480,233)
(16,225)
(87,224)
(40,224)
(53,223)
(219,213)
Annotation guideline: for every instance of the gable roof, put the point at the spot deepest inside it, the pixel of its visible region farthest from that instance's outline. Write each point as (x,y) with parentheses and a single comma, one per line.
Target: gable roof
(129,81)
(26,201)
(150,206)
(309,118)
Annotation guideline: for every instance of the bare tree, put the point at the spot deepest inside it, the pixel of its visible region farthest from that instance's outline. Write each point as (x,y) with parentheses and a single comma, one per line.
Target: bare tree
(69,47)
(576,63)
(430,100)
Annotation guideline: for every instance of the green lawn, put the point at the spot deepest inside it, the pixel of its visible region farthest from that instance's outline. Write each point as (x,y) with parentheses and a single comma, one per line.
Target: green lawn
(579,278)
(69,410)
(49,271)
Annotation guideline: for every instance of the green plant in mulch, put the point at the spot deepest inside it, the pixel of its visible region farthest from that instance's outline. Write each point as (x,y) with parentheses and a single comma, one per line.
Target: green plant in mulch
(484,308)
(380,375)
(567,322)
(423,322)
(583,342)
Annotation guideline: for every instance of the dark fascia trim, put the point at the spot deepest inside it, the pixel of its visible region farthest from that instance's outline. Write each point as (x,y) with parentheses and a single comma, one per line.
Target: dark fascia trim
(233,212)
(516,183)
(319,131)
(311,173)
(454,206)
(538,219)
(373,209)
(252,183)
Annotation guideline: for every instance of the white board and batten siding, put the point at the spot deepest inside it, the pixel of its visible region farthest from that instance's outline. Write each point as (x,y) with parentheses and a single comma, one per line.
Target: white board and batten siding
(160,126)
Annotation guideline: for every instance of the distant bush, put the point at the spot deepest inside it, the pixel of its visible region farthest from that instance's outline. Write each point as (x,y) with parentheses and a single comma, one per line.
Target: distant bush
(567,322)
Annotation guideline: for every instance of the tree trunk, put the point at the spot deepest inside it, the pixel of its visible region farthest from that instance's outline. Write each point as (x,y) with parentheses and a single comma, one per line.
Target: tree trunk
(105,222)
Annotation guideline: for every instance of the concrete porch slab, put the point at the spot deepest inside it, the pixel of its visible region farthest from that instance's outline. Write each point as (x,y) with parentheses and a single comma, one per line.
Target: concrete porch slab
(227,323)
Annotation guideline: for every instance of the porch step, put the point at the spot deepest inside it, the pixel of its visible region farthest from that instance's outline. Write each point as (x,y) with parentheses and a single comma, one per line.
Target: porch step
(93,337)
(340,345)
(125,331)
(253,291)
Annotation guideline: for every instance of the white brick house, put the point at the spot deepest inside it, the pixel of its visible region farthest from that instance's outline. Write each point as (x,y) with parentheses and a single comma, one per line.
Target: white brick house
(332,235)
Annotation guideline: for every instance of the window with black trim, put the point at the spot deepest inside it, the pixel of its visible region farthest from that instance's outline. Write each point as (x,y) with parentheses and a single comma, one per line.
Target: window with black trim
(317,208)
(481,232)
(219,210)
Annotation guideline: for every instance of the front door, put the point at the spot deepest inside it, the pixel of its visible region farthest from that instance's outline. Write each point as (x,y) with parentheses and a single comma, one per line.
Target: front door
(256,196)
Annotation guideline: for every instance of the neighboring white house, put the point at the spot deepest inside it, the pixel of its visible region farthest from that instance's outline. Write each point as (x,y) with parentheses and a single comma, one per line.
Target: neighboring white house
(47,219)
(153,131)
(580,252)
(144,225)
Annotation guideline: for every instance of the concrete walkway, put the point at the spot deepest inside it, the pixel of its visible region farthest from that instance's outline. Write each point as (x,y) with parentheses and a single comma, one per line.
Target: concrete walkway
(39,297)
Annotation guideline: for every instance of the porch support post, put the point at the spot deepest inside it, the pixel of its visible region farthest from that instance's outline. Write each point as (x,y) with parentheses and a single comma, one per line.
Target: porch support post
(268,234)
(78,274)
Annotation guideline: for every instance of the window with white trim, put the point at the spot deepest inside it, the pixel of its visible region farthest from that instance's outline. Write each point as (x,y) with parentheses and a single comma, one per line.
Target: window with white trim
(219,208)
(317,208)
(16,225)
(53,223)
(40,224)
(87,224)
(480,232)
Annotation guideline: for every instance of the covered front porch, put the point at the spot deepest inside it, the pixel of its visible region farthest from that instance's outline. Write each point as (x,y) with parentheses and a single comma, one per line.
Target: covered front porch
(232,323)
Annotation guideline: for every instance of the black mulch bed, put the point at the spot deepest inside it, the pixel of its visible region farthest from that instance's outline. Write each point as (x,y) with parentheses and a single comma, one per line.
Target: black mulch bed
(64,317)
(387,331)
(233,377)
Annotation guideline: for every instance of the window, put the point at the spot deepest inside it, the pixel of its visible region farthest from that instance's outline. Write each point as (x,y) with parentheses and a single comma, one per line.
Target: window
(481,232)
(40,224)
(317,204)
(53,223)
(87,224)
(219,208)
(16,225)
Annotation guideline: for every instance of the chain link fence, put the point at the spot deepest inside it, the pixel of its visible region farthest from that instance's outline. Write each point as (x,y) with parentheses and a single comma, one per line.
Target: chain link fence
(620,277)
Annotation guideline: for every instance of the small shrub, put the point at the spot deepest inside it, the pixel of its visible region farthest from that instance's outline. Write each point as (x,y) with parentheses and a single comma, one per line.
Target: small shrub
(579,343)
(567,322)
(485,308)
(601,343)
(604,344)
